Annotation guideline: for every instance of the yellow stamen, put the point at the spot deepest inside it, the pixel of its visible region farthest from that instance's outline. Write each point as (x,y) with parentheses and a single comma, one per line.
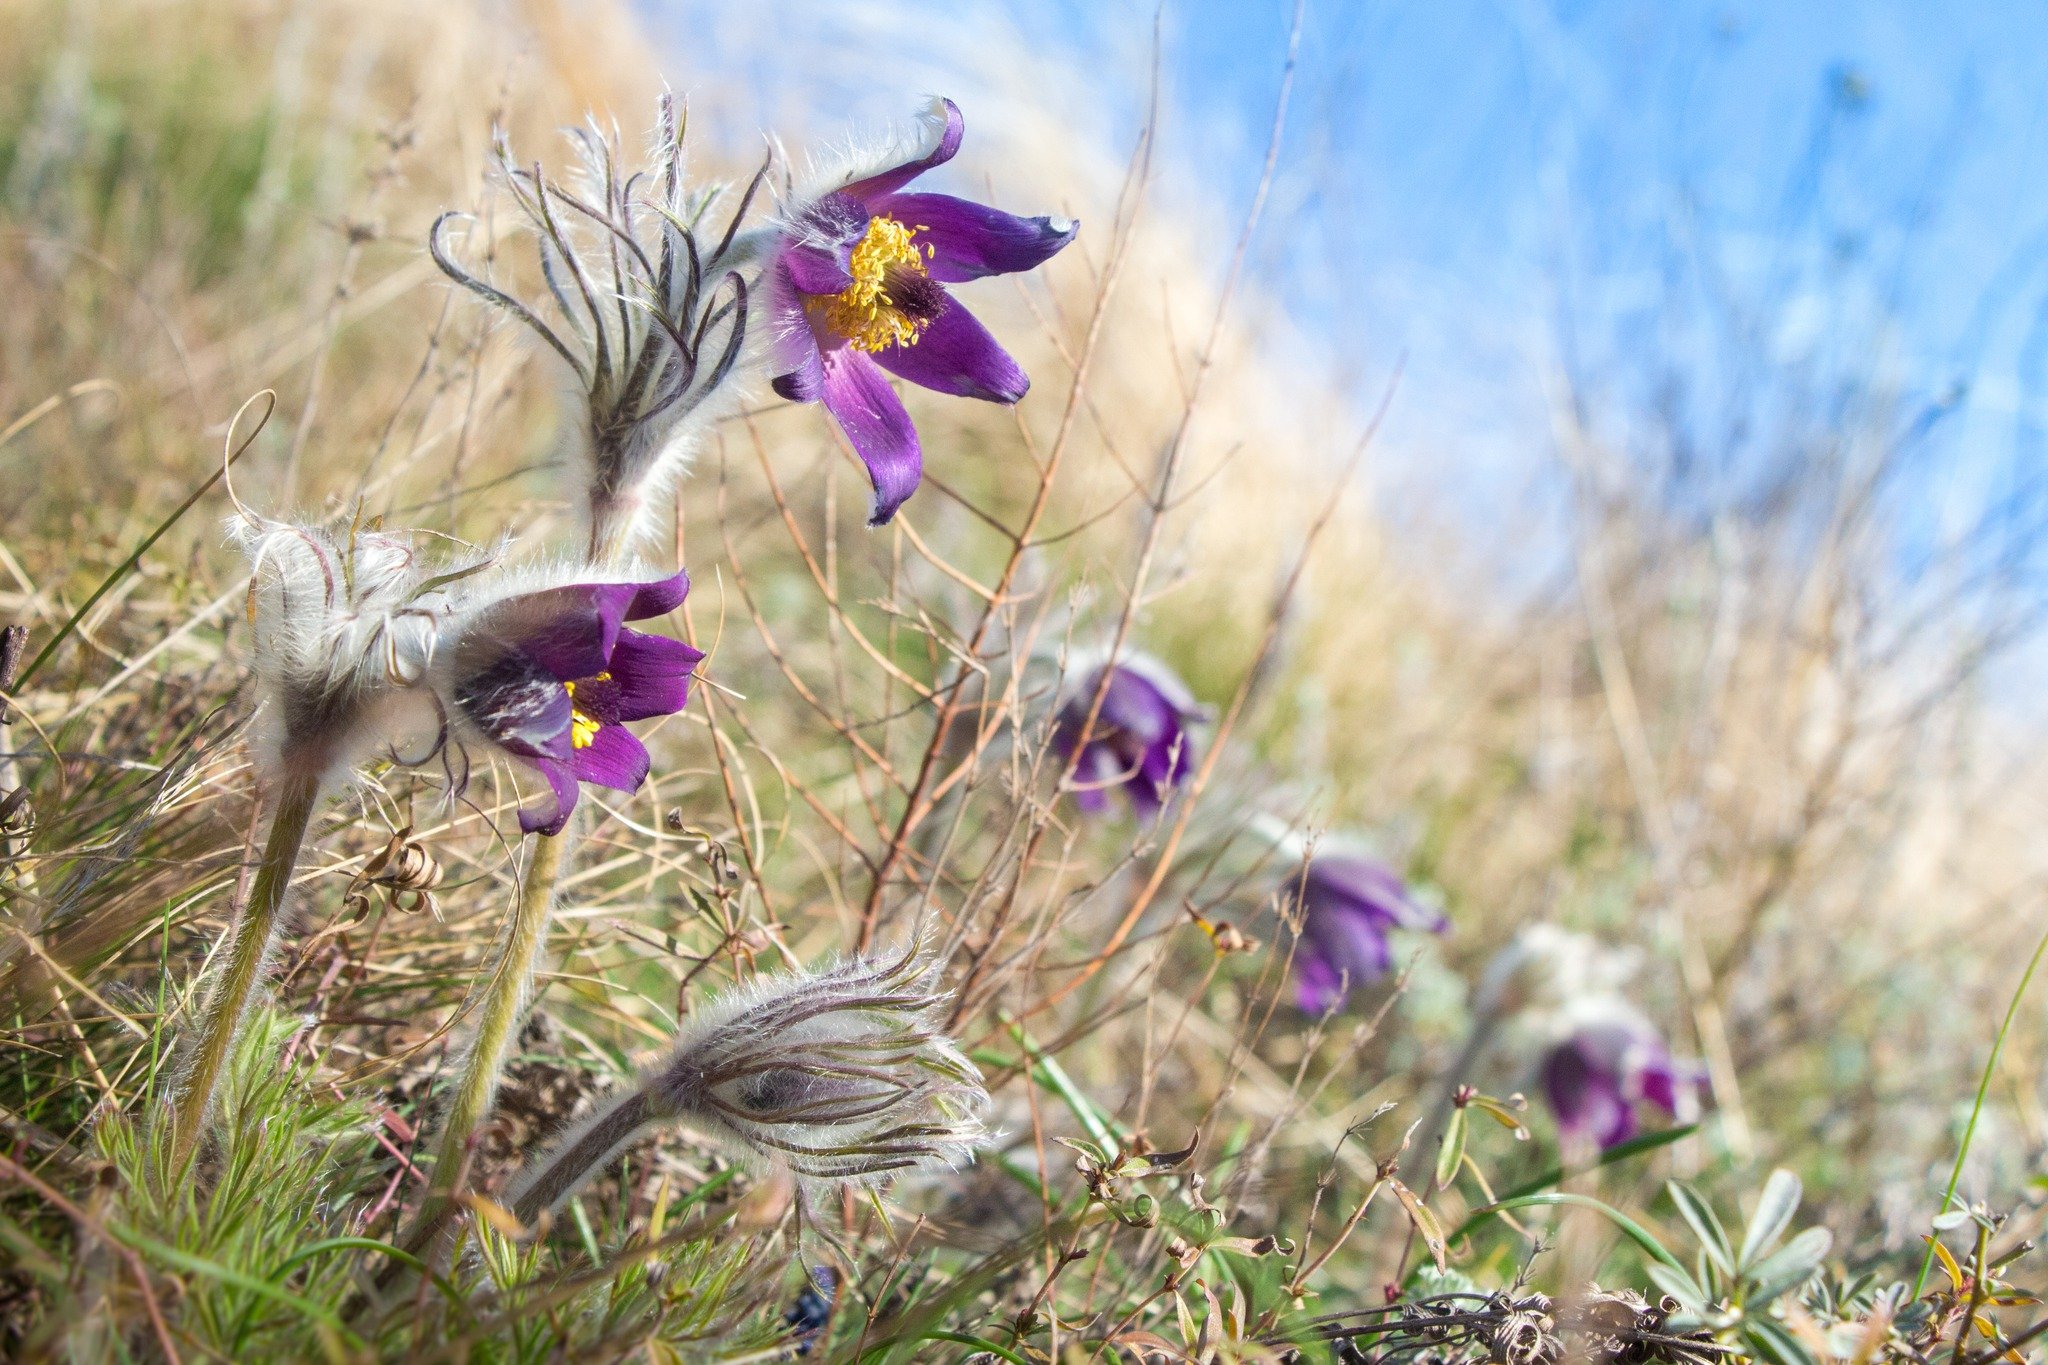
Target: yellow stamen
(583,726)
(863,312)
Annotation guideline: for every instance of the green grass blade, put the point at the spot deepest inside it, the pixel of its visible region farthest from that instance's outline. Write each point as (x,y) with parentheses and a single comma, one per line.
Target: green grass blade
(1635,1231)
(1621,1151)
(127,566)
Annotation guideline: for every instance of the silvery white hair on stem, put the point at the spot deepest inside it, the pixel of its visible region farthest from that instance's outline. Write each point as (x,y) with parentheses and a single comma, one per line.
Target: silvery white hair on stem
(843,1076)
(345,623)
(649,300)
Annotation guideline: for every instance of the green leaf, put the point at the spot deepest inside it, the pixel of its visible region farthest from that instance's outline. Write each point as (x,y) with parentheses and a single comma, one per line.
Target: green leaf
(1635,1231)
(1790,1266)
(199,1265)
(1774,1210)
(1699,1216)
(1049,1073)
(1425,1223)
(1620,1152)
(1678,1285)
(1452,1151)
(1771,1341)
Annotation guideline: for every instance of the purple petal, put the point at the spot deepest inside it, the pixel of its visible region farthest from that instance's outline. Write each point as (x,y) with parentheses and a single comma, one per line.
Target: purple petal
(1166,758)
(1144,794)
(1374,888)
(513,700)
(1134,705)
(613,758)
(550,819)
(658,597)
(956,355)
(1095,772)
(1317,985)
(1670,1084)
(610,604)
(943,129)
(792,345)
(1587,1098)
(970,240)
(859,397)
(652,674)
(1349,942)
(806,382)
(568,631)
(569,638)
(817,269)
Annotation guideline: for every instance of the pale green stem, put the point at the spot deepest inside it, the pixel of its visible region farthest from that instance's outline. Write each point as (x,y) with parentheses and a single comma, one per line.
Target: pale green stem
(254,933)
(504,998)
(1955,1177)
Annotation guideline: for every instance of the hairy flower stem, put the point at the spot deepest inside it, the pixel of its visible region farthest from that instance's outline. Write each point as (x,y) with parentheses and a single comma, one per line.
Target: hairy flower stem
(503,1002)
(255,932)
(553,1177)
(504,997)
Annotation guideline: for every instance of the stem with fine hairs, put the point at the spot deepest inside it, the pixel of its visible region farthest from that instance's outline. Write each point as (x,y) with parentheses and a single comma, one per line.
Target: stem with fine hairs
(504,999)
(505,993)
(255,931)
(555,1175)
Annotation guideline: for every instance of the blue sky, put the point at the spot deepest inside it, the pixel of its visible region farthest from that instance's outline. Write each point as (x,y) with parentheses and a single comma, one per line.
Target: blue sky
(1654,196)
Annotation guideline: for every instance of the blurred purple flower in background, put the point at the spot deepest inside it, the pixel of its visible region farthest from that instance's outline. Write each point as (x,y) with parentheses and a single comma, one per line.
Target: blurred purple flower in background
(1349,906)
(1139,740)
(1606,1068)
(858,287)
(550,677)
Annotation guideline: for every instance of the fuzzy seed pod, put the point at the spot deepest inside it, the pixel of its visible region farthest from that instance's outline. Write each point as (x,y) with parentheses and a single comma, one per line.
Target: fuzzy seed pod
(649,310)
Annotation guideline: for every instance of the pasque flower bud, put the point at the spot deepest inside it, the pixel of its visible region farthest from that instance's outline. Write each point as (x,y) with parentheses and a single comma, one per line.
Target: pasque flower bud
(837,1076)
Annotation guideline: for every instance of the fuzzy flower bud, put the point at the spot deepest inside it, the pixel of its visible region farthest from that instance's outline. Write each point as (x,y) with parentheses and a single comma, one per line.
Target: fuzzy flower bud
(838,1076)
(648,308)
(345,626)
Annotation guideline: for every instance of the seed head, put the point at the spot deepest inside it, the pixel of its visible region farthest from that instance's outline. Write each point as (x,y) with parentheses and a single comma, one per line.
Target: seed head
(648,306)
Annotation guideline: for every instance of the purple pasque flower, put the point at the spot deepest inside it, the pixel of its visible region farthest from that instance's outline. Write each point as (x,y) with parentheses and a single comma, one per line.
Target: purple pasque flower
(1610,1064)
(1139,740)
(1349,906)
(551,678)
(857,292)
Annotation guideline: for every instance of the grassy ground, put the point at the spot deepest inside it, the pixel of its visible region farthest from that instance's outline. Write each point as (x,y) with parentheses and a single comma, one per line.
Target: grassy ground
(1725,748)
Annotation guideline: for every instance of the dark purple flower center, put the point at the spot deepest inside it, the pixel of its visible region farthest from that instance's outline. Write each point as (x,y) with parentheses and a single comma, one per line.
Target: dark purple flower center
(515,701)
